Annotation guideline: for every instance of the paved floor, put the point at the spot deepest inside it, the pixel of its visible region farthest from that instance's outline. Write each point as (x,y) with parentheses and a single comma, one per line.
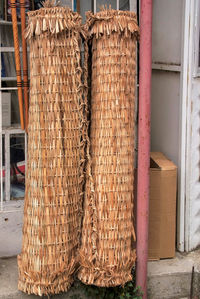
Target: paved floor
(167,279)
(172,278)
(8,283)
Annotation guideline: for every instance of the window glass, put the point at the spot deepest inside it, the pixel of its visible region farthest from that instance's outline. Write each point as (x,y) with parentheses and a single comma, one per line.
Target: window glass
(85,5)
(124,5)
(66,3)
(113,4)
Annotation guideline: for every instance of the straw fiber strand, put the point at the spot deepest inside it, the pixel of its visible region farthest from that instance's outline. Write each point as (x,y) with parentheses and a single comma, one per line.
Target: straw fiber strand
(107,254)
(56,149)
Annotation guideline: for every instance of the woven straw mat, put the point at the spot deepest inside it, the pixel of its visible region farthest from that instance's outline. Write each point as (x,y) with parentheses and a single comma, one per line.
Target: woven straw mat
(56,141)
(107,252)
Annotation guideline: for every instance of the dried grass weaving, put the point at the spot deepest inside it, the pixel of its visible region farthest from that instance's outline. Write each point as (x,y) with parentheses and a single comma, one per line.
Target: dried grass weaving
(107,252)
(56,142)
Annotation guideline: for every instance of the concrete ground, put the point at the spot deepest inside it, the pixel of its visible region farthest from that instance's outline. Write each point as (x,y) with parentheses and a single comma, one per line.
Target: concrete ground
(167,279)
(173,278)
(8,283)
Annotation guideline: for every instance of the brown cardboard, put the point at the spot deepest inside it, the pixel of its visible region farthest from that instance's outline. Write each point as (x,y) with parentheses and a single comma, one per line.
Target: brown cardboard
(162,209)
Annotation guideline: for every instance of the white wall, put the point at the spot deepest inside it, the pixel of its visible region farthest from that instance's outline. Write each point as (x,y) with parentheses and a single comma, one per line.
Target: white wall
(167,31)
(166,54)
(165,113)
(166,87)
(176,95)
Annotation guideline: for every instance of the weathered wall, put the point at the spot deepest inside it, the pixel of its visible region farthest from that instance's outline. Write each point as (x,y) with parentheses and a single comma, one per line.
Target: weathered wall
(166,53)
(165,113)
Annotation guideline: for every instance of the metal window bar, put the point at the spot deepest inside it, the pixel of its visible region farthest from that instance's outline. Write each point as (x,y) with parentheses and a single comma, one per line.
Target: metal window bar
(132,5)
(94,6)
(7,132)
(7,166)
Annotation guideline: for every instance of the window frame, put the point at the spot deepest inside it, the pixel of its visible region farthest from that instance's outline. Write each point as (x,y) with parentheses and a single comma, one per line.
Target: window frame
(197,40)
(95,5)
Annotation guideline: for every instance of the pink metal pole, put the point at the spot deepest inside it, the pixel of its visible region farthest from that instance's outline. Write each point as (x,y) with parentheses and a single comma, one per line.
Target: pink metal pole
(144,143)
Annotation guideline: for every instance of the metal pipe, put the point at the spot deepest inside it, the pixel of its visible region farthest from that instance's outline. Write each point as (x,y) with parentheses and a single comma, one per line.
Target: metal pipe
(144,143)
(7,165)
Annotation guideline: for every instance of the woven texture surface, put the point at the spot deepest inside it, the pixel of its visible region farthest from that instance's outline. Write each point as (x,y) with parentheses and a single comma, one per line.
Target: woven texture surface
(54,175)
(107,254)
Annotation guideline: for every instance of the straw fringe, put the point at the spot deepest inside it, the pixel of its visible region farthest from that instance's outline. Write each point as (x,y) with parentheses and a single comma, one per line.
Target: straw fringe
(108,275)
(108,21)
(58,281)
(52,20)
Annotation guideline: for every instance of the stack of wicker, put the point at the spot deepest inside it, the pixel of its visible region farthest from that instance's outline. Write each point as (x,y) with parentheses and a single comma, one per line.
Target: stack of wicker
(54,180)
(107,252)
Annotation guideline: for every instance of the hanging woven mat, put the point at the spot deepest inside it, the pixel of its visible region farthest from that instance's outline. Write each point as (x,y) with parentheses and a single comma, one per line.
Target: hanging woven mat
(107,252)
(56,142)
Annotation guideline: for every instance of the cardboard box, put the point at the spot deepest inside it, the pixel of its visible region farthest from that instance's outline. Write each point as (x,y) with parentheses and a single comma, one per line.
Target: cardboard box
(162,210)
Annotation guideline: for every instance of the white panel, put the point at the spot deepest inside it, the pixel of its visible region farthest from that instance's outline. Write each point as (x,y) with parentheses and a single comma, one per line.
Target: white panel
(7,166)
(184,124)
(6,109)
(165,113)
(194,184)
(167,31)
